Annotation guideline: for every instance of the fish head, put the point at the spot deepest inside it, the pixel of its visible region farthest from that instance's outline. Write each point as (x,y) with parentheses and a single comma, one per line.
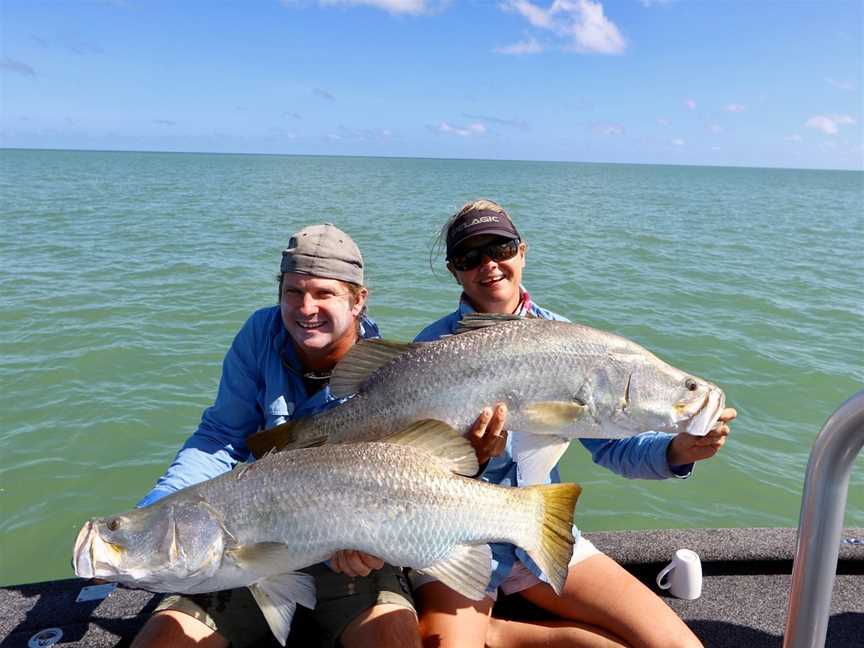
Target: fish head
(641,393)
(170,546)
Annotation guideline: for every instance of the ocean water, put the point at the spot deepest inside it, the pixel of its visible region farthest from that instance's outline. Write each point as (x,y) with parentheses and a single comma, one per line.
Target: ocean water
(124,277)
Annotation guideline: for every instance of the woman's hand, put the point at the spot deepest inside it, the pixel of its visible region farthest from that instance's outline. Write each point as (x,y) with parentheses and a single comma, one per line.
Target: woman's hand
(354,563)
(687,448)
(487,435)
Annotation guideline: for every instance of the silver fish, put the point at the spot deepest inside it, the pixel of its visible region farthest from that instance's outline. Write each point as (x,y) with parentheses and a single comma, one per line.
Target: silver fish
(403,501)
(560,381)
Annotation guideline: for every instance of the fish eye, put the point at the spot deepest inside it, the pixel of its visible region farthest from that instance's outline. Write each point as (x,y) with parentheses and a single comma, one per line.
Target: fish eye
(113,524)
(691,384)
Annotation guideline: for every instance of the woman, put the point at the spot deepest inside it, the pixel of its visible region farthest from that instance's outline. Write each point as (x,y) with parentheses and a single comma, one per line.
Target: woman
(601,604)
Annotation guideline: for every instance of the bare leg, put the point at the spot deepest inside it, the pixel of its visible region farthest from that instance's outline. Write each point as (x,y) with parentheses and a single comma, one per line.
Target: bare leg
(449,620)
(601,593)
(172,629)
(558,633)
(384,625)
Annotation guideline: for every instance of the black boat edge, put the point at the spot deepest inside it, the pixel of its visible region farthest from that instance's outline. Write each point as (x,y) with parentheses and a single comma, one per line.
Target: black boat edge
(744,602)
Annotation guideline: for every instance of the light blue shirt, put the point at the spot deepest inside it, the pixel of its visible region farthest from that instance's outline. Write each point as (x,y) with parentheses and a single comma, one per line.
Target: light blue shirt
(261,386)
(638,457)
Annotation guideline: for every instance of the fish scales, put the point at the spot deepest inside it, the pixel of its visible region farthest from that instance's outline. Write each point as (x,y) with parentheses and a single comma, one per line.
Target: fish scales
(260,524)
(378,498)
(559,380)
(516,362)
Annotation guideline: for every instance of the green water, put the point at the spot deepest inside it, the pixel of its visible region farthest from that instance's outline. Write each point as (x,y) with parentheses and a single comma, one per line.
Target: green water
(124,277)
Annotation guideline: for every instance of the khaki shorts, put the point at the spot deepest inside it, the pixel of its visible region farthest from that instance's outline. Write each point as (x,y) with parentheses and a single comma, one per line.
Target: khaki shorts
(340,599)
(519,578)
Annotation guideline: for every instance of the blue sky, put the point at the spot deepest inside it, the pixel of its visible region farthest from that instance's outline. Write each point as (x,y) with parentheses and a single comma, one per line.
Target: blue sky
(742,83)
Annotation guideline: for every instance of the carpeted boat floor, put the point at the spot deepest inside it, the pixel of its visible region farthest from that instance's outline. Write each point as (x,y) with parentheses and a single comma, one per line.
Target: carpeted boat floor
(743,604)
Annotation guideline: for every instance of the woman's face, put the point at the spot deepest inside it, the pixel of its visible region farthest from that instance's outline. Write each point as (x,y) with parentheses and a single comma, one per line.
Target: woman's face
(492,286)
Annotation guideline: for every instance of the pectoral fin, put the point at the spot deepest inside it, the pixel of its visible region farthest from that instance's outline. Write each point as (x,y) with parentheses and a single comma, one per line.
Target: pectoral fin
(554,415)
(263,559)
(467,570)
(278,597)
(535,456)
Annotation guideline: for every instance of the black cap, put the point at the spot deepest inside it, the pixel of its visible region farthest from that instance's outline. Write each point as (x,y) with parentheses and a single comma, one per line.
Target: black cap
(476,222)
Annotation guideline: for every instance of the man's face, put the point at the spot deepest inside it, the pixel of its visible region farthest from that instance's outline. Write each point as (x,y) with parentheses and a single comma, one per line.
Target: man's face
(319,314)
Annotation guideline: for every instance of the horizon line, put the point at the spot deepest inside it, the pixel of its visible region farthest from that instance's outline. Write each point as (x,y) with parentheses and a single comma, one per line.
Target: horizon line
(404,157)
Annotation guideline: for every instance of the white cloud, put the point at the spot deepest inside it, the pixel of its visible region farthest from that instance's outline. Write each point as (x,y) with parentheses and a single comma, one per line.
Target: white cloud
(324,94)
(461,131)
(734,108)
(608,129)
(662,121)
(794,137)
(678,142)
(842,84)
(829,124)
(535,15)
(530,46)
(17,66)
(582,23)
(713,127)
(415,7)
(521,124)
(690,103)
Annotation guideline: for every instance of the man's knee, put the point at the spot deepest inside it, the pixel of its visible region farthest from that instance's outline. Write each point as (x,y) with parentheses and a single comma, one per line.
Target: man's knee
(173,629)
(386,625)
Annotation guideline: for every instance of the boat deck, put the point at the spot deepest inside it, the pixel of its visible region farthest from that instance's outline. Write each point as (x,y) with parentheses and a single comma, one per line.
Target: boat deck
(744,596)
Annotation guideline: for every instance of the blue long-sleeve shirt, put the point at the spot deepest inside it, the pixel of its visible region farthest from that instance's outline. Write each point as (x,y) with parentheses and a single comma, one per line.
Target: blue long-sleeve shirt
(638,457)
(261,386)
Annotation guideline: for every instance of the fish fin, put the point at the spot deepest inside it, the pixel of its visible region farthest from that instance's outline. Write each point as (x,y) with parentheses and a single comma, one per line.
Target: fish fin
(474,321)
(466,570)
(365,358)
(278,597)
(555,547)
(554,414)
(536,455)
(442,442)
(262,558)
(282,437)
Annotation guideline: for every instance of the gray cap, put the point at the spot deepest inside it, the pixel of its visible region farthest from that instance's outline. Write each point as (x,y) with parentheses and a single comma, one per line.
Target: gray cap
(324,251)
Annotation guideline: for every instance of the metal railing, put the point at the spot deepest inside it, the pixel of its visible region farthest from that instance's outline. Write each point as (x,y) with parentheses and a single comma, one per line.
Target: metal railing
(823,504)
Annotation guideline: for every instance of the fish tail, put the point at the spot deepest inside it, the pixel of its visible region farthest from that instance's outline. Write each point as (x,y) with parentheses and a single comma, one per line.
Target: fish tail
(555,547)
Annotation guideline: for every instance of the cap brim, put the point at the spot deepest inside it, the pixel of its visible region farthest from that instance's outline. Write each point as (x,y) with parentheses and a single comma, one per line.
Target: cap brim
(504,233)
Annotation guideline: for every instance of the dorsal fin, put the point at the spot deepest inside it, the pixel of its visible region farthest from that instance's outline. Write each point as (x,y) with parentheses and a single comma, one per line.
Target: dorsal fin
(364,359)
(441,441)
(474,321)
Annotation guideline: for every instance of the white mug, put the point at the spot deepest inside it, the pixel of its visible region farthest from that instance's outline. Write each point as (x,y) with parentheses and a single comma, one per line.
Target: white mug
(684,575)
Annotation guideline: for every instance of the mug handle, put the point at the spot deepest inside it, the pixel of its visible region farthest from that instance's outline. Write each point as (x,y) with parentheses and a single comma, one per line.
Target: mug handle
(663,574)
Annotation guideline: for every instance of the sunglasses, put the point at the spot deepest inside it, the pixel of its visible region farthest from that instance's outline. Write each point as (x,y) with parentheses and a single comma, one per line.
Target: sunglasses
(473,257)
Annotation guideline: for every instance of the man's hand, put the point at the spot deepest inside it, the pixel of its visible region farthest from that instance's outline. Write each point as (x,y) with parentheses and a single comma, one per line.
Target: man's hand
(687,448)
(487,435)
(354,563)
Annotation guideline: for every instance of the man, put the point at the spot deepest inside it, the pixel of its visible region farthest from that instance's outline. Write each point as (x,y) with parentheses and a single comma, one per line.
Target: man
(276,370)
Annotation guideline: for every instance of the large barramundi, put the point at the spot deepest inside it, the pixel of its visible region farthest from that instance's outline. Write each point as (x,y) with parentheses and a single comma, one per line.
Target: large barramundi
(559,380)
(403,501)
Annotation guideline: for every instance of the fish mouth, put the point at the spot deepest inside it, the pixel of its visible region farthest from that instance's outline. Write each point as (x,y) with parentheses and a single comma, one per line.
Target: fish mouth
(82,560)
(708,412)
(90,550)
